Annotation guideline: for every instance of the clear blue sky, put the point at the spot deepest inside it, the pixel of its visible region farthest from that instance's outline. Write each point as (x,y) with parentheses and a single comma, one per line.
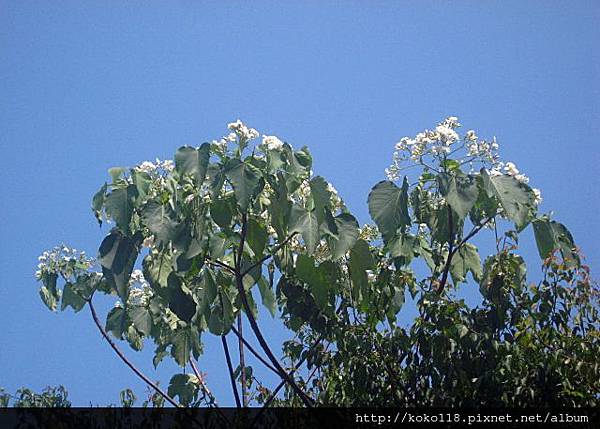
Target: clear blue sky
(85,86)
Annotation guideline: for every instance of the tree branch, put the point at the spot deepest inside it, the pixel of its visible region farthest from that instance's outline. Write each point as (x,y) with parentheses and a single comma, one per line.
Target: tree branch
(207,391)
(266,257)
(230,367)
(127,361)
(254,352)
(242,361)
(452,251)
(263,343)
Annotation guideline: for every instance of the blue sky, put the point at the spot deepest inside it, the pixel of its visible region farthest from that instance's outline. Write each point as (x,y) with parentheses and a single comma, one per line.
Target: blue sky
(90,85)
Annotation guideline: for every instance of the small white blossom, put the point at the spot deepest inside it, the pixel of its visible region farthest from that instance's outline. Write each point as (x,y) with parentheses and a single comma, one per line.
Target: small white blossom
(538,196)
(148,241)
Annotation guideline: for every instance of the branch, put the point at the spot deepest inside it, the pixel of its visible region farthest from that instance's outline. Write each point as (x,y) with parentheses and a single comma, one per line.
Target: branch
(242,362)
(212,398)
(127,361)
(264,258)
(230,367)
(452,252)
(254,352)
(221,264)
(263,343)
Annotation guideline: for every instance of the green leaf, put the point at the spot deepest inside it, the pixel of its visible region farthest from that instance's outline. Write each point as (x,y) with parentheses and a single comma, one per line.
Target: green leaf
(221,212)
(347,234)
(321,196)
(181,346)
(257,237)
(361,260)
(516,198)
(141,319)
(268,298)
(115,173)
(551,235)
(142,182)
(116,322)
(157,266)
(460,191)
(221,316)
(244,178)
(185,387)
(402,245)
(388,207)
(98,202)
(306,224)
(118,254)
(465,260)
(314,277)
(71,298)
(189,160)
(119,206)
(180,300)
(160,220)
(48,298)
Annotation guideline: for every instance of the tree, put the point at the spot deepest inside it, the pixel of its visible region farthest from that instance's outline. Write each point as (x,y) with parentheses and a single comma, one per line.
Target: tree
(229,221)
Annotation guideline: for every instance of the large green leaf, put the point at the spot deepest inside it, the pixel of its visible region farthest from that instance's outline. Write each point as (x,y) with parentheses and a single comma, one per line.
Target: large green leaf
(189,160)
(465,260)
(314,277)
(181,346)
(118,254)
(257,237)
(306,223)
(116,322)
(361,260)
(516,198)
(388,207)
(244,178)
(221,212)
(180,300)
(221,316)
(119,206)
(268,298)
(71,298)
(185,387)
(347,234)
(141,318)
(321,196)
(160,220)
(551,235)
(460,191)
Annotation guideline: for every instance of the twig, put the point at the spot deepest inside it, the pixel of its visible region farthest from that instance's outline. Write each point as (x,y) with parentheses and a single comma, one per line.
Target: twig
(254,352)
(264,258)
(212,398)
(242,361)
(127,361)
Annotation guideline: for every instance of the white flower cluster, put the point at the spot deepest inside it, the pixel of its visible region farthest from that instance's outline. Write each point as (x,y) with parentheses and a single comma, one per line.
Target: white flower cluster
(63,260)
(156,167)
(220,146)
(303,193)
(242,131)
(271,143)
(510,169)
(436,143)
(484,150)
(140,291)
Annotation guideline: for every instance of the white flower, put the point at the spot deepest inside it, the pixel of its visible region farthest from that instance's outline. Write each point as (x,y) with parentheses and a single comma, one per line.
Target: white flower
(538,196)
(511,169)
(242,131)
(471,136)
(272,142)
(189,199)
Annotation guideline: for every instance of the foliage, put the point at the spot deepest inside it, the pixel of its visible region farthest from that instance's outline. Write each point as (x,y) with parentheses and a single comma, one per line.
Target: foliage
(227,222)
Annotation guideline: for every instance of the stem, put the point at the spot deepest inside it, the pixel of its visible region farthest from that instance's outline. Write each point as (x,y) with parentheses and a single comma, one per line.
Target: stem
(263,343)
(264,258)
(127,361)
(242,361)
(212,398)
(452,251)
(230,367)
(254,352)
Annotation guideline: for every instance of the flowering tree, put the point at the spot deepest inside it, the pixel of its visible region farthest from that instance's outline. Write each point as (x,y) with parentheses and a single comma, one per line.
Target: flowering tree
(231,221)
